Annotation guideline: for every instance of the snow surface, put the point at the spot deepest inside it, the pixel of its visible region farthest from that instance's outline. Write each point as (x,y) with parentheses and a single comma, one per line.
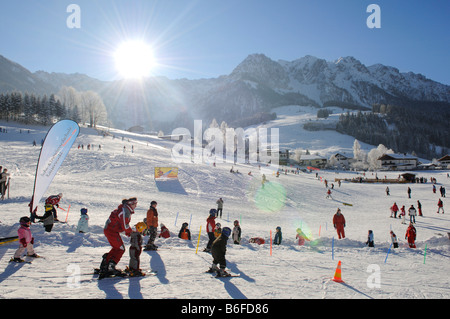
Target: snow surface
(100,179)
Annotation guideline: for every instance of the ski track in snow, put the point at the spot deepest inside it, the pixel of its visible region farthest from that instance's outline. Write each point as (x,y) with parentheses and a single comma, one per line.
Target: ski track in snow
(99,179)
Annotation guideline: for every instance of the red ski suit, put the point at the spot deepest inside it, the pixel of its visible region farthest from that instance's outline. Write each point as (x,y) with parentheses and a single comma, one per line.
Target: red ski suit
(117,222)
(339,224)
(411,236)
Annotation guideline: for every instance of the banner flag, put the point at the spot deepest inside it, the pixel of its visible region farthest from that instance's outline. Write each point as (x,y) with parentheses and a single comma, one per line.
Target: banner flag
(166,172)
(57,143)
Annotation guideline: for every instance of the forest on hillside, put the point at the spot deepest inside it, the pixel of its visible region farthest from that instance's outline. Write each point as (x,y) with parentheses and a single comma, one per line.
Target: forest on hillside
(418,129)
(29,108)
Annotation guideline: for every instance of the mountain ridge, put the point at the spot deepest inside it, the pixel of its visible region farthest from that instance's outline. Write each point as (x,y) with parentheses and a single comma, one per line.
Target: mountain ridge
(256,85)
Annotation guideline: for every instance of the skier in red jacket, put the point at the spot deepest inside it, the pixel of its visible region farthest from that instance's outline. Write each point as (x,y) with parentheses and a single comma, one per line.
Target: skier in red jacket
(210,227)
(117,223)
(411,236)
(339,223)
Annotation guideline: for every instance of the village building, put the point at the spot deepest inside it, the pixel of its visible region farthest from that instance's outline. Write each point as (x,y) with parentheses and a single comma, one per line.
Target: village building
(397,162)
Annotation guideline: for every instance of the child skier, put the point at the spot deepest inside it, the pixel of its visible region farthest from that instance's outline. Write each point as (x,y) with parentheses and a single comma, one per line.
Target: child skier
(54,201)
(152,225)
(83,223)
(301,237)
(403,214)
(26,240)
(369,241)
(217,230)
(164,232)
(184,233)
(236,233)
(411,235)
(135,250)
(394,239)
(218,251)
(210,227)
(278,236)
(47,218)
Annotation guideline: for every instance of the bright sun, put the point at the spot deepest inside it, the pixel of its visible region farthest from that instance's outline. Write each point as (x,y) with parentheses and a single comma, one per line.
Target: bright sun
(134,59)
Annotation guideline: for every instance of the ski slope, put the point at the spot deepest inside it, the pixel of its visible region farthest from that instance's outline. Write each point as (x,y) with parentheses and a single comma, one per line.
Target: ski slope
(100,179)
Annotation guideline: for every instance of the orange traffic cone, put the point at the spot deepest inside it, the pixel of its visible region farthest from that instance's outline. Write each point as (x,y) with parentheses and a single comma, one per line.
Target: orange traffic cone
(337,274)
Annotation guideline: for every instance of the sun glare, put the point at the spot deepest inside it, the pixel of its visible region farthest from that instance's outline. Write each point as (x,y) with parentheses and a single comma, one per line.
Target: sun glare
(134,59)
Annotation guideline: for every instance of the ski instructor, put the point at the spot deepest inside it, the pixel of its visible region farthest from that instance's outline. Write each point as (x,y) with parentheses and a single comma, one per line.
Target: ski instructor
(117,223)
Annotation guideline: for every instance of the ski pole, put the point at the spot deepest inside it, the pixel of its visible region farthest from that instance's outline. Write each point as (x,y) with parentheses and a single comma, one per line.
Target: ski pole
(388,253)
(67,215)
(198,241)
(176,219)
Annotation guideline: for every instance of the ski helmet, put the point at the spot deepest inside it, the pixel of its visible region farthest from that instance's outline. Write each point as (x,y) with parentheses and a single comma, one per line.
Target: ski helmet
(185,225)
(83,211)
(236,222)
(226,231)
(212,212)
(140,227)
(48,207)
(25,221)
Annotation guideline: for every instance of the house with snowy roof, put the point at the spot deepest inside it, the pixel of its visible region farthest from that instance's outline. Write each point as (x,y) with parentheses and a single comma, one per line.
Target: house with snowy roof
(398,162)
(312,160)
(444,161)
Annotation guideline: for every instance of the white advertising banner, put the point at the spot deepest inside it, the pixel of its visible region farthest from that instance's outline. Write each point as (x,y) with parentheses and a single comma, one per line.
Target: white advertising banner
(57,143)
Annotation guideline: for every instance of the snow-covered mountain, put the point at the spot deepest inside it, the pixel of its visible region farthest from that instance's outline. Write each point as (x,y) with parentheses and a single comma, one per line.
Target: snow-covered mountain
(258,84)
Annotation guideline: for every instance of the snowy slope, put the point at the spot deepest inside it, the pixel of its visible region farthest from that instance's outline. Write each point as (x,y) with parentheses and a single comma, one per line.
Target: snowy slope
(99,179)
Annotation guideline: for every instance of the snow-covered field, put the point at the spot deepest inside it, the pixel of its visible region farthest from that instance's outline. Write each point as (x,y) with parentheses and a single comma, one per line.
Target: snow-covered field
(100,179)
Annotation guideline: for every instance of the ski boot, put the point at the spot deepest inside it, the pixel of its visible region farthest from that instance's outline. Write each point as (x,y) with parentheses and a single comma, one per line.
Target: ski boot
(222,273)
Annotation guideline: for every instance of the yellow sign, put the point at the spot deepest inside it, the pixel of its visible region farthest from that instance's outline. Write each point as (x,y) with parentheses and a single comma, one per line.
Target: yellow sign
(166,172)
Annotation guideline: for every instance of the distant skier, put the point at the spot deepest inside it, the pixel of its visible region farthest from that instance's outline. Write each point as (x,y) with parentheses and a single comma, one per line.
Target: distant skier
(411,235)
(394,210)
(210,227)
(370,242)
(412,214)
(440,206)
(219,203)
(329,194)
(403,214)
(387,191)
(218,252)
(118,222)
(419,207)
(339,223)
(409,192)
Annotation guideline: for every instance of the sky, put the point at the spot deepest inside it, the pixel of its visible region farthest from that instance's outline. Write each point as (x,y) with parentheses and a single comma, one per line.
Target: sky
(208,38)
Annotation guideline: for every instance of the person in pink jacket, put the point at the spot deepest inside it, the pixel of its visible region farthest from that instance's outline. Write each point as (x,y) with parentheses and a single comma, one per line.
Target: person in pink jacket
(26,240)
